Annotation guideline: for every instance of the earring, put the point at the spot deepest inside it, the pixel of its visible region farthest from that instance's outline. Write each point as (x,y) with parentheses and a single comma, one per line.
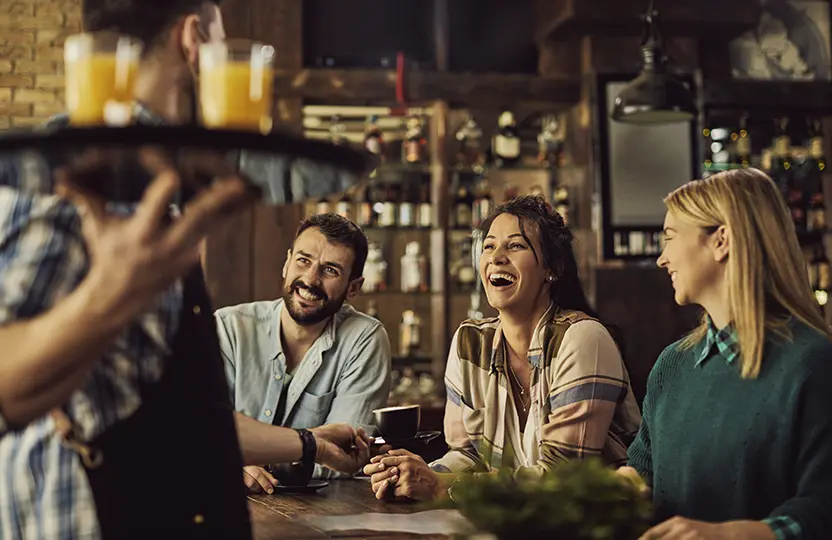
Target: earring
(550,279)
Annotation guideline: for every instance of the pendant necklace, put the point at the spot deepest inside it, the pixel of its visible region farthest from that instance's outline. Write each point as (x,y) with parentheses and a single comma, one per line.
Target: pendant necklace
(514,376)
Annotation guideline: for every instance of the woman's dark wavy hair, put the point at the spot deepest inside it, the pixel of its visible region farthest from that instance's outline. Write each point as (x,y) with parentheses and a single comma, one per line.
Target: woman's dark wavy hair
(557,255)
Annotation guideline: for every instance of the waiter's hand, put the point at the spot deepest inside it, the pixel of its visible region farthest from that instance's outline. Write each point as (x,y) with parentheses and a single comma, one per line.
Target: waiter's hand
(135,258)
(342,447)
(257,479)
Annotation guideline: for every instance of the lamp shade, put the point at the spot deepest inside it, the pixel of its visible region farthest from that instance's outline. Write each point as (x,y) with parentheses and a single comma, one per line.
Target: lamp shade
(654,98)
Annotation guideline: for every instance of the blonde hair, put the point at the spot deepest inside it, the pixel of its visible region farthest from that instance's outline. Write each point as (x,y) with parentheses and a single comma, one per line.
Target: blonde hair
(766,269)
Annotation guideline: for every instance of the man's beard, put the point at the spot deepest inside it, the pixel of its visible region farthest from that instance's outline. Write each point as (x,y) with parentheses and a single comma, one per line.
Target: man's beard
(327,309)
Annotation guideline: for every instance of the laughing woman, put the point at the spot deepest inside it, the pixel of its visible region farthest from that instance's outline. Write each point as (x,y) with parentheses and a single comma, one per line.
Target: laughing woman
(541,383)
(736,440)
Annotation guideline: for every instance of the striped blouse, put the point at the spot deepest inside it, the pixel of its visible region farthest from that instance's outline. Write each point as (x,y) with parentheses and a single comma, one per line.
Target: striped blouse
(581,400)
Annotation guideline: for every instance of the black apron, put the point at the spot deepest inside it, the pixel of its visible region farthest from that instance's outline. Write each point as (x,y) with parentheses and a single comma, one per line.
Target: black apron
(174,468)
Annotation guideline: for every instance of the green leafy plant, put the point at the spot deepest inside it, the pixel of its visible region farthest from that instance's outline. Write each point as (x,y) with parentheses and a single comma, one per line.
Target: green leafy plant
(579,500)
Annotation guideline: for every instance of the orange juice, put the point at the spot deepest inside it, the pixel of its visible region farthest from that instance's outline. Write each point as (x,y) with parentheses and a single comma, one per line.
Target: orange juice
(92,81)
(236,95)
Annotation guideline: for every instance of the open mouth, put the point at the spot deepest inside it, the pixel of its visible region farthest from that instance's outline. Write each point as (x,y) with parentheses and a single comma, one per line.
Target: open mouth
(308,295)
(501,280)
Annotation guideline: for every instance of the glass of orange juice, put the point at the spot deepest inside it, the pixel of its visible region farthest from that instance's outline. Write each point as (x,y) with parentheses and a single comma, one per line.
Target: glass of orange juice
(100,69)
(236,84)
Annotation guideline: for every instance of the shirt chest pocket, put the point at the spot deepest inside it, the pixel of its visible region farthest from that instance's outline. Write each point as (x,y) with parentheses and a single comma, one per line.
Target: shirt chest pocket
(313,409)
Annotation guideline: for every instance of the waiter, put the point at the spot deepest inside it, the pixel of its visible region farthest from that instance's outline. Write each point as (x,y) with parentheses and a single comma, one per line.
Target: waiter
(115,418)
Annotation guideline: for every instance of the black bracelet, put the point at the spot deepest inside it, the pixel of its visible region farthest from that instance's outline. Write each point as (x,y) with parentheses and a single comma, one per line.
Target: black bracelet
(310,449)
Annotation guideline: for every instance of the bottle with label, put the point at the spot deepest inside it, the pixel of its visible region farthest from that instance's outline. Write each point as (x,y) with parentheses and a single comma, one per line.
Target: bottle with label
(506,142)
(337,131)
(462,216)
(813,177)
(389,208)
(414,269)
(483,202)
(562,202)
(407,207)
(469,138)
(466,276)
(414,147)
(410,334)
(549,143)
(344,206)
(816,217)
(375,270)
(707,161)
(366,215)
(425,213)
(373,138)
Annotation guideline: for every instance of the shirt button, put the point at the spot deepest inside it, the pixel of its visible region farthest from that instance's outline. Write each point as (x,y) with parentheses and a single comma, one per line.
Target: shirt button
(277,377)
(268,412)
(197,310)
(199,519)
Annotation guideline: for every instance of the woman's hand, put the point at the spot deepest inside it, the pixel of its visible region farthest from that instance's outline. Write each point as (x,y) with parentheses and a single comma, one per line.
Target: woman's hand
(403,474)
(679,528)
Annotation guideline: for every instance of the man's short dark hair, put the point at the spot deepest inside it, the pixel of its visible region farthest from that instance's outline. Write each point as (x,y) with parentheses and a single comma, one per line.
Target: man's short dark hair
(340,230)
(147,20)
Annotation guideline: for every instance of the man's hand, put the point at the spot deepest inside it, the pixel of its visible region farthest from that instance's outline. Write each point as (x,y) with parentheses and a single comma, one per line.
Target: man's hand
(257,479)
(341,447)
(679,528)
(135,258)
(403,474)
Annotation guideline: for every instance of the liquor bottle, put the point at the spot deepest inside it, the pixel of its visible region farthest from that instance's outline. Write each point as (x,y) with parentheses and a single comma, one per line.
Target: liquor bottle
(407,207)
(410,334)
(414,269)
(375,270)
(373,138)
(414,148)
(366,215)
(781,162)
(813,177)
(469,137)
(344,206)
(389,208)
(734,158)
(820,275)
(506,142)
(483,203)
(466,276)
(337,131)
(743,144)
(322,206)
(562,202)
(424,219)
(549,143)
(462,208)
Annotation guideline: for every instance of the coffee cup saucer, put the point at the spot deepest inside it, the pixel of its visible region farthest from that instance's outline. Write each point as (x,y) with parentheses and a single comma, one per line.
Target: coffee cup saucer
(421,437)
(311,487)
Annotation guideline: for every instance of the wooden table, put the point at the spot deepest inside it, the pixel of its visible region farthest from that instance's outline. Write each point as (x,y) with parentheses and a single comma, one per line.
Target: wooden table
(275,516)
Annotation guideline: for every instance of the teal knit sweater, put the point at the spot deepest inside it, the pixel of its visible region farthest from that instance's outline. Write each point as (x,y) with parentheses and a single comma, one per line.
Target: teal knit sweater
(716,447)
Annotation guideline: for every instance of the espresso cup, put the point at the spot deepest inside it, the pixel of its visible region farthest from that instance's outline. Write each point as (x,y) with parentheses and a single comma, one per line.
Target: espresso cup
(397,423)
(292,474)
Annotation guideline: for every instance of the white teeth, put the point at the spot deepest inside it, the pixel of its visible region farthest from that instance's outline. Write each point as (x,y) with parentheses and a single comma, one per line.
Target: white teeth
(306,295)
(502,275)
(673,277)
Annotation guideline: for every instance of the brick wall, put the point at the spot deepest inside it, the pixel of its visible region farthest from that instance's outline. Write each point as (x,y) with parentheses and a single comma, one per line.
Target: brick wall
(32,33)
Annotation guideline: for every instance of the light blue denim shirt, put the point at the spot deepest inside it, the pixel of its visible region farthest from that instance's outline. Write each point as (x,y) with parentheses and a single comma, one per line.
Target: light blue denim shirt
(342,378)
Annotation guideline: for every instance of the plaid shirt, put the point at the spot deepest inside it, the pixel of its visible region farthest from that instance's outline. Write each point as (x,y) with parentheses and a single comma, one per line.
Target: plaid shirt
(723,344)
(581,402)
(44,493)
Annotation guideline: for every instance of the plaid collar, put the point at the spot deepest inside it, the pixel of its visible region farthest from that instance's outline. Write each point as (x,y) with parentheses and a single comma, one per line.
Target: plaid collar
(535,354)
(722,343)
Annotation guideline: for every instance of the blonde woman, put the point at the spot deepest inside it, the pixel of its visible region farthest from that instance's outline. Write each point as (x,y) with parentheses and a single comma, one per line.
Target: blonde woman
(736,440)
(542,383)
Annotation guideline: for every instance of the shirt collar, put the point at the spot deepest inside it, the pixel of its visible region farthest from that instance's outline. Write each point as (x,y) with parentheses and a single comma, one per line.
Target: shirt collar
(721,343)
(324,342)
(535,353)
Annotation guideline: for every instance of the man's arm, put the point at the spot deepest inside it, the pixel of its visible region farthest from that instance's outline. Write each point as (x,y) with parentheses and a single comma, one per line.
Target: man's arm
(263,444)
